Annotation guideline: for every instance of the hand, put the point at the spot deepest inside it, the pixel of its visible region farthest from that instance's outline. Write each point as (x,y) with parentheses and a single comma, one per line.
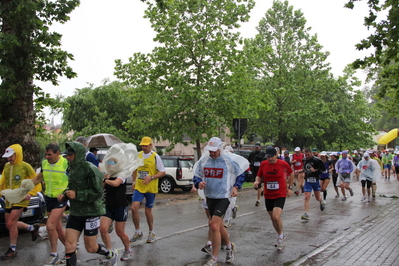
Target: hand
(61,197)
(202,185)
(234,192)
(289,192)
(147,180)
(256,185)
(28,196)
(71,194)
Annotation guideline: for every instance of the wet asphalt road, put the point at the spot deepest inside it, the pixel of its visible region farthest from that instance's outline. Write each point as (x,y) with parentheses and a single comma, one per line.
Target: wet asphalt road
(181,229)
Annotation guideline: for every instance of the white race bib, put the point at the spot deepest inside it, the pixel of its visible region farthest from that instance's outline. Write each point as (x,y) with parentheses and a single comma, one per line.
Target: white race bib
(143,174)
(272,185)
(256,163)
(311,180)
(92,223)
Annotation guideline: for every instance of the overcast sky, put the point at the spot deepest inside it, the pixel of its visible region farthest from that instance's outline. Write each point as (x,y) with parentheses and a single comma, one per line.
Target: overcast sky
(101,31)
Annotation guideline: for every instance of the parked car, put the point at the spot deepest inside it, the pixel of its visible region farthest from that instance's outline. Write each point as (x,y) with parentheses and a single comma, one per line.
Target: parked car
(179,174)
(34,213)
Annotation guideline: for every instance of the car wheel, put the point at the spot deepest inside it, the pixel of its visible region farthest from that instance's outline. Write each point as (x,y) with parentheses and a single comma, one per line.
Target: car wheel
(166,185)
(186,189)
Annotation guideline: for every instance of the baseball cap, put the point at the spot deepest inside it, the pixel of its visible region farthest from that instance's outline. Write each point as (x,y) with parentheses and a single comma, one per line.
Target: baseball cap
(68,151)
(146,141)
(346,152)
(297,149)
(8,153)
(333,154)
(286,152)
(257,144)
(366,154)
(228,149)
(314,149)
(271,152)
(355,151)
(323,154)
(93,149)
(214,144)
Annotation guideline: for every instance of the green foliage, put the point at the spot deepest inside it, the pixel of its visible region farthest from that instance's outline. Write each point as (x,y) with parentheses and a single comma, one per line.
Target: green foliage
(194,82)
(306,105)
(99,110)
(383,63)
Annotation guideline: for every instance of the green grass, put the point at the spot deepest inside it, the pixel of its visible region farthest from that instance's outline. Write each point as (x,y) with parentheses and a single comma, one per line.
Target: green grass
(247,184)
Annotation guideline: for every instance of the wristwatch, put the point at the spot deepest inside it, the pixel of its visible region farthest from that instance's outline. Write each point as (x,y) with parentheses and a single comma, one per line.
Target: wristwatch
(152,177)
(290,187)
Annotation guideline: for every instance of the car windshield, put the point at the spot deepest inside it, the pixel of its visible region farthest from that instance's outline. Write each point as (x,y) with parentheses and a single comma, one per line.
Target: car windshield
(186,163)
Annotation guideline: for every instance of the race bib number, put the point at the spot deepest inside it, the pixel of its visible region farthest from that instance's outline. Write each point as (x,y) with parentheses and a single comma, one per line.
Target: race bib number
(311,180)
(143,174)
(256,163)
(92,223)
(297,164)
(272,185)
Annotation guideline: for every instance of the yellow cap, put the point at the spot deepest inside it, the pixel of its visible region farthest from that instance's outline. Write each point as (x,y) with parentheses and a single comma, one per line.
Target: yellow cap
(146,141)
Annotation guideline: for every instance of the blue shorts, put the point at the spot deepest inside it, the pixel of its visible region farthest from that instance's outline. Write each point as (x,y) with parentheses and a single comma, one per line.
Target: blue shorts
(149,198)
(387,166)
(117,214)
(53,203)
(308,187)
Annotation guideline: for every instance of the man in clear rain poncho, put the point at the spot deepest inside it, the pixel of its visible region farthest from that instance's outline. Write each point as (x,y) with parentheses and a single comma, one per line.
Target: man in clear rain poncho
(219,175)
(370,172)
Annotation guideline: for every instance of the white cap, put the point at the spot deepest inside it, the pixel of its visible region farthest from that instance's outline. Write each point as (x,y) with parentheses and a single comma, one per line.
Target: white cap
(323,154)
(297,149)
(366,154)
(355,151)
(214,144)
(334,154)
(9,152)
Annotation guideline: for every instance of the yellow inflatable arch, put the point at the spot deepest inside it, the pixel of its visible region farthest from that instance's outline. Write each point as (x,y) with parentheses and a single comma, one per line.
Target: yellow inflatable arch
(391,135)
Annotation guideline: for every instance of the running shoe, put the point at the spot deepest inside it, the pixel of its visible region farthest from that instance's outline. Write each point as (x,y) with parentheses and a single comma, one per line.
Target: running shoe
(337,196)
(127,254)
(227,224)
(343,198)
(279,245)
(305,216)
(368,199)
(10,254)
(257,203)
(113,261)
(136,237)
(322,206)
(151,238)
(230,253)
(207,249)
(35,232)
(297,192)
(351,192)
(52,260)
(235,209)
(211,262)
(364,198)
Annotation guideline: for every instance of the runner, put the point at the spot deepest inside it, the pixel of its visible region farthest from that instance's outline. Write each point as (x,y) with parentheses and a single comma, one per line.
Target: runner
(369,172)
(313,167)
(217,173)
(255,158)
(334,174)
(273,172)
(344,168)
(325,176)
(297,163)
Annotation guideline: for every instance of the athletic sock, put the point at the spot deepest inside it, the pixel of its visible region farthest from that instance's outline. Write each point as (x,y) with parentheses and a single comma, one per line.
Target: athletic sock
(324,195)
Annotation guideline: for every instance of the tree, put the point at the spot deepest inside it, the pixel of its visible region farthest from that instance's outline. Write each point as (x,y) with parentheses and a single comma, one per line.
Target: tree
(29,51)
(104,109)
(291,75)
(194,83)
(383,63)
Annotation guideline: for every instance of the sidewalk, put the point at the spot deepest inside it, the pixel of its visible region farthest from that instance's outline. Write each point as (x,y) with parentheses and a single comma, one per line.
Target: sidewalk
(374,241)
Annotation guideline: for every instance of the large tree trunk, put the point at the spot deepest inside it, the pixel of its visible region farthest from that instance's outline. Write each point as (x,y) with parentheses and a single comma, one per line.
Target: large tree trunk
(17,116)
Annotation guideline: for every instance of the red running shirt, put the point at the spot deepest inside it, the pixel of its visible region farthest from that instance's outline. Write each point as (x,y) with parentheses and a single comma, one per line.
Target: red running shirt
(299,161)
(273,175)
